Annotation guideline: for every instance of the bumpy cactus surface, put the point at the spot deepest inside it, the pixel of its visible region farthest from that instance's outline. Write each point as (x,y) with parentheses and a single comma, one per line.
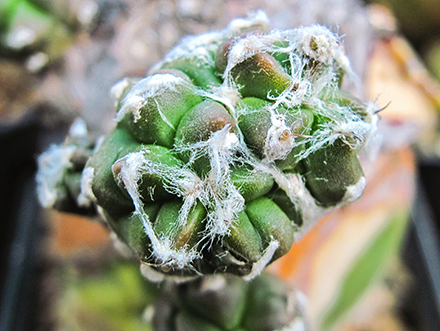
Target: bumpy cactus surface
(226,152)
(220,303)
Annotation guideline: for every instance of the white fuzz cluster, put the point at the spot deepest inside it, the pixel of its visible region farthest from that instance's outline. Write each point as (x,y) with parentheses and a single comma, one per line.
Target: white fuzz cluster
(244,48)
(120,87)
(145,89)
(200,47)
(52,166)
(133,166)
(228,95)
(304,46)
(203,46)
(223,199)
(216,192)
(279,140)
(254,19)
(316,42)
(86,196)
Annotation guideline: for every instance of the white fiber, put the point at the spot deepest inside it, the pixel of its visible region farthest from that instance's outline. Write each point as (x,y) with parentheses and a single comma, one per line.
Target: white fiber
(118,89)
(133,166)
(219,195)
(279,140)
(78,129)
(203,46)
(355,191)
(261,264)
(86,196)
(257,18)
(145,89)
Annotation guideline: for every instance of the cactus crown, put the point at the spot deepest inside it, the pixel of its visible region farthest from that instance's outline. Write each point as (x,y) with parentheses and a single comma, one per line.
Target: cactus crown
(231,147)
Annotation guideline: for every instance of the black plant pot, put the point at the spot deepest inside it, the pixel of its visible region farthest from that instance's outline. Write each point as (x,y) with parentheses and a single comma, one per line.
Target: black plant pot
(19,228)
(421,253)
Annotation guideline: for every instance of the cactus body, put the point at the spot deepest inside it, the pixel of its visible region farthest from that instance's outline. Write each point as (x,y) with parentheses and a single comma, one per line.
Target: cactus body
(235,141)
(217,303)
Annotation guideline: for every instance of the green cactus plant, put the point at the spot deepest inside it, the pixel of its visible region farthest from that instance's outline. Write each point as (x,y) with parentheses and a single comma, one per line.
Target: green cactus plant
(226,152)
(220,303)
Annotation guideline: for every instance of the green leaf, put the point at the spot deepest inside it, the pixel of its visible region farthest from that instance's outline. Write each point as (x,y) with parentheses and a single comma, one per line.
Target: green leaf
(366,269)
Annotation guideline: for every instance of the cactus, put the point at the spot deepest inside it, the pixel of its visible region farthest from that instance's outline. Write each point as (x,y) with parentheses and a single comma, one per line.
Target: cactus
(228,151)
(218,303)
(115,298)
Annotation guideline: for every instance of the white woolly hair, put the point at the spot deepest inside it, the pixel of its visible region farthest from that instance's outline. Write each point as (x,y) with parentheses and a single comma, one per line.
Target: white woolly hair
(203,46)
(301,46)
(216,192)
(144,90)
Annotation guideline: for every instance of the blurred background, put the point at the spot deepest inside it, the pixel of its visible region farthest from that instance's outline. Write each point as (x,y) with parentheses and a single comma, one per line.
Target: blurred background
(58,61)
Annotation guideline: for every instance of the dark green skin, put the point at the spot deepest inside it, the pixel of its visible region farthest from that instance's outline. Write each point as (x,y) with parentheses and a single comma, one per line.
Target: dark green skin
(166,223)
(151,186)
(67,193)
(222,54)
(346,99)
(260,75)
(271,223)
(280,197)
(221,57)
(116,145)
(251,184)
(330,170)
(201,121)
(72,182)
(110,194)
(243,240)
(223,308)
(201,74)
(188,322)
(255,126)
(130,230)
(268,215)
(198,124)
(261,304)
(267,305)
(300,127)
(151,128)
